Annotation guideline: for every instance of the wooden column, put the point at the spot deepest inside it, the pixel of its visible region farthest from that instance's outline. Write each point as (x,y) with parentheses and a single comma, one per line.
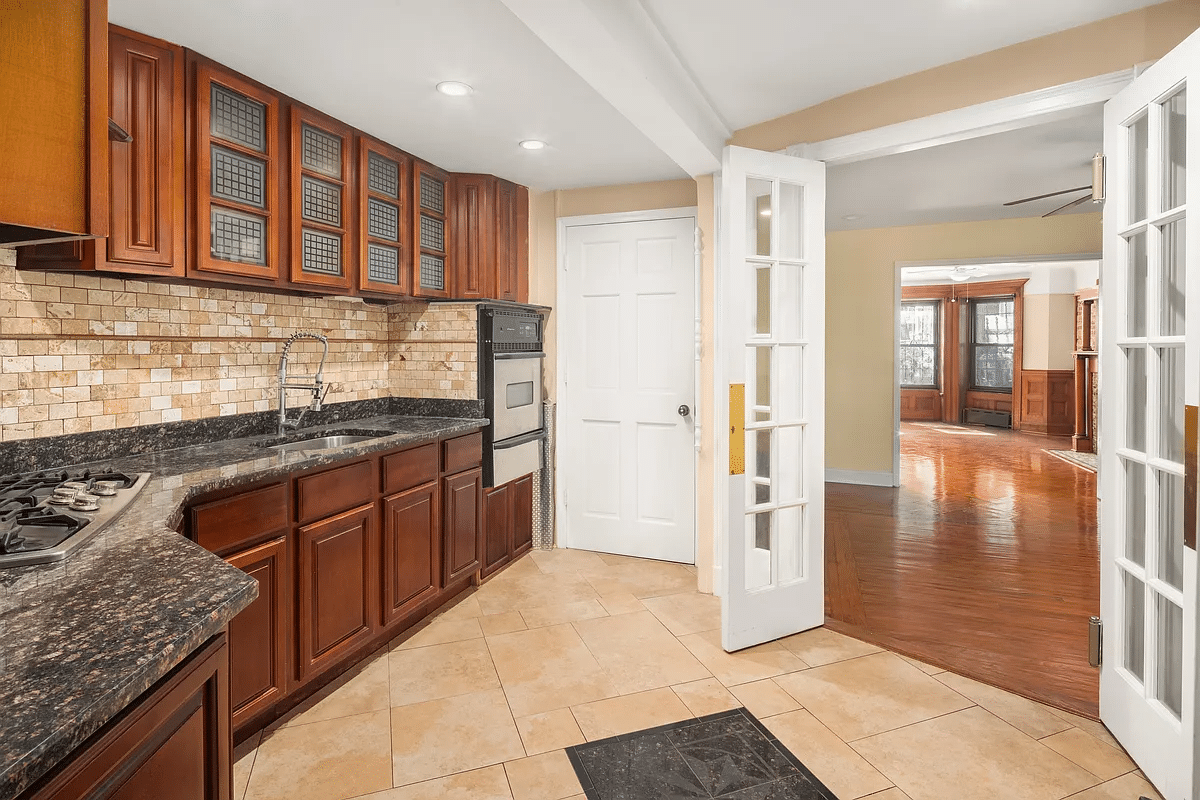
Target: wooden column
(1081,442)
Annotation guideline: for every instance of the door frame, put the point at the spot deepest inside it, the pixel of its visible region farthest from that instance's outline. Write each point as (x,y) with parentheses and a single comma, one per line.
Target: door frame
(563,532)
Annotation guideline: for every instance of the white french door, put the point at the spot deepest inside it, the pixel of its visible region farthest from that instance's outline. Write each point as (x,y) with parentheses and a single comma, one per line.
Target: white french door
(771,345)
(627,312)
(1150,370)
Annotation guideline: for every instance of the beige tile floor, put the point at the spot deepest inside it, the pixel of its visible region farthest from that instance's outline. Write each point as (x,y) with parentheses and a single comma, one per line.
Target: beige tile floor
(569,646)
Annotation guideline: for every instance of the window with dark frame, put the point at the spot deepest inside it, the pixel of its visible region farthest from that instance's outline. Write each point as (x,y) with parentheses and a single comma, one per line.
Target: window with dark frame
(920,344)
(993,326)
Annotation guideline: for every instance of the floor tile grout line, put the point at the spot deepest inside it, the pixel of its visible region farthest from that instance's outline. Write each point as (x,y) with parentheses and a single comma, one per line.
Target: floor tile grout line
(851,742)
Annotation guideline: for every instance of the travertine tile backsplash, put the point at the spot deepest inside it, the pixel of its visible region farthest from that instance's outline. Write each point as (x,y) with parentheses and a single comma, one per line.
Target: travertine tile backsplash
(80,352)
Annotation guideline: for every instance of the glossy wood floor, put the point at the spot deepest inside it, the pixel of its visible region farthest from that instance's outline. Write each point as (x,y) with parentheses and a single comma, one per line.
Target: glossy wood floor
(984,562)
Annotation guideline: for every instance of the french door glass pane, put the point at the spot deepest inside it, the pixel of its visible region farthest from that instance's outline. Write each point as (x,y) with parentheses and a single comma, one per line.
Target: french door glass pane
(762,376)
(790,391)
(758,216)
(1170,404)
(762,493)
(1169,683)
(1172,302)
(1135,626)
(791,543)
(1174,149)
(762,301)
(1170,529)
(791,221)
(758,556)
(1137,285)
(1135,399)
(762,454)
(791,464)
(1135,512)
(789,279)
(1139,151)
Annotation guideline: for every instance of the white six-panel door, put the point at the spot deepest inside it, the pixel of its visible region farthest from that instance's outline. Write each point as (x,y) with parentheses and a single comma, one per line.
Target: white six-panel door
(1150,366)
(771,342)
(627,316)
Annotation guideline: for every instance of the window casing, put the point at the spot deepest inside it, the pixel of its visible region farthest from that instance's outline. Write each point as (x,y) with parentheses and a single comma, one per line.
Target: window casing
(993,331)
(920,344)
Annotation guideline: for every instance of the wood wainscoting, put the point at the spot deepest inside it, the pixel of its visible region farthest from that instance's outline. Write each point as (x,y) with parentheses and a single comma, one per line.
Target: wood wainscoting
(991,401)
(921,404)
(1048,401)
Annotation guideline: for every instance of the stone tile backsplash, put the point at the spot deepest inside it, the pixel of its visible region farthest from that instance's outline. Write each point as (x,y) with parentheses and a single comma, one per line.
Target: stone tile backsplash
(81,352)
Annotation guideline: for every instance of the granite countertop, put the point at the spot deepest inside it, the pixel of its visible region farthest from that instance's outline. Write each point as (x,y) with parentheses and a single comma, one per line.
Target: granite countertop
(81,639)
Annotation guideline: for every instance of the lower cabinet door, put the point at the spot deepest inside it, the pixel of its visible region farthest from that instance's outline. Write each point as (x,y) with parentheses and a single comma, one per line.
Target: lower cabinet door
(411,566)
(174,743)
(497,528)
(337,578)
(462,503)
(522,515)
(259,637)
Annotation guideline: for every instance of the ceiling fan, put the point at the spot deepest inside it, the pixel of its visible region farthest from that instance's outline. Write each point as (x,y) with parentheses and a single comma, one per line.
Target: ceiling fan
(1093,194)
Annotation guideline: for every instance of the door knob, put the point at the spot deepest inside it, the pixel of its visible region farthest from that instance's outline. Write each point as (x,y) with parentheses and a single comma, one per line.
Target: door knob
(684,411)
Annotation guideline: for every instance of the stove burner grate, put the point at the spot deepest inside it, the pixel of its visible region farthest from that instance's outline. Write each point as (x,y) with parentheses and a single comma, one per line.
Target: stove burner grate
(36,529)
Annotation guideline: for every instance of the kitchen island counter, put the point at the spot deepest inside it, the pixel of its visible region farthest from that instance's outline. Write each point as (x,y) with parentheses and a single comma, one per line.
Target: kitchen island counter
(82,638)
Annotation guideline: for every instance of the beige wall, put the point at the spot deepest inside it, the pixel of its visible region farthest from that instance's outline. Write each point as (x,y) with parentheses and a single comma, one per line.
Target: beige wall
(82,352)
(860,301)
(1102,47)
(1049,331)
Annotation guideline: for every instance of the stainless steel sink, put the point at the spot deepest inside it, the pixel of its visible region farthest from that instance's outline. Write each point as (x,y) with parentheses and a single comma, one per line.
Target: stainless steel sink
(320,443)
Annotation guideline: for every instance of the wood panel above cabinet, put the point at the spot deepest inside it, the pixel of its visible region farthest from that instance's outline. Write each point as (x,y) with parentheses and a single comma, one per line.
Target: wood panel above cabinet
(323,207)
(235,190)
(53,78)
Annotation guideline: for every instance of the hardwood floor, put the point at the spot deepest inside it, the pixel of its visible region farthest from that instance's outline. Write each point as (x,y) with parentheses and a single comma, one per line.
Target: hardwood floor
(984,562)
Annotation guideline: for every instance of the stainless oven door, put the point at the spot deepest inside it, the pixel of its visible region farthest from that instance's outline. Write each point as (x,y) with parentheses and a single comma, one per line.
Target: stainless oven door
(517,394)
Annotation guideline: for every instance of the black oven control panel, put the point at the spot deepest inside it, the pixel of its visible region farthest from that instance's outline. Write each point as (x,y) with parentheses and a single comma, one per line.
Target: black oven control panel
(509,330)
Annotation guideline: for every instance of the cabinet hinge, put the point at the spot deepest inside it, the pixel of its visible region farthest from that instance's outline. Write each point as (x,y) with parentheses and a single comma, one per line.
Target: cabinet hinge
(1095,641)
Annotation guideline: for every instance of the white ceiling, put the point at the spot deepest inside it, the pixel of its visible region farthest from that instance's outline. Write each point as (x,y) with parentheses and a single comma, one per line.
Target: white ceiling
(969,180)
(1045,277)
(623,90)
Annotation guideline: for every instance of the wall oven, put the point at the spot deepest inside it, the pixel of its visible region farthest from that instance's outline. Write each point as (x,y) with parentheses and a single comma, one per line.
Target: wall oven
(510,382)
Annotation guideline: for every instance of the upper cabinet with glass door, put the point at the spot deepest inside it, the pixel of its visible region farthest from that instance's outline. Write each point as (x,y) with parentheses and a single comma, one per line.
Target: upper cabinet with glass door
(432,193)
(322,207)
(383,202)
(236,179)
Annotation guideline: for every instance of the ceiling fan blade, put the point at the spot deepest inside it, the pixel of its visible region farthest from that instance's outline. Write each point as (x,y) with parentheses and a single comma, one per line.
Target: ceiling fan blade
(1071,204)
(1051,194)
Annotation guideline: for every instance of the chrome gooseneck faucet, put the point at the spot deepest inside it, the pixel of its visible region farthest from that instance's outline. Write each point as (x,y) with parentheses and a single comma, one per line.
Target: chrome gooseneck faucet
(311,383)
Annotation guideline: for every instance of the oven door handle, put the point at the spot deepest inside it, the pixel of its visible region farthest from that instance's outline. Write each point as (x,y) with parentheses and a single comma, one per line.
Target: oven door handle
(517,441)
(515,356)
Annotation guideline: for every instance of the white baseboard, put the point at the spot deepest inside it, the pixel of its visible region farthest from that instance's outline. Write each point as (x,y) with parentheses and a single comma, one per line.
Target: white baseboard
(859,477)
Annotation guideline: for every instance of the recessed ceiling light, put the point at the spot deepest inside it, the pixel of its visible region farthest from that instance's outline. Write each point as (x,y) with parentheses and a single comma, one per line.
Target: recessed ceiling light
(853,217)
(454,88)
(533,144)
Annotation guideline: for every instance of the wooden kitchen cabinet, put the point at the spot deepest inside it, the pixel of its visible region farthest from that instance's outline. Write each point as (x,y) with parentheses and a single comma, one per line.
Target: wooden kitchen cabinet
(146,202)
(411,555)
(173,743)
(235,194)
(508,524)
(432,237)
(462,518)
(322,210)
(384,227)
(337,586)
(260,637)
(474,268)
(512,242)
(54,136)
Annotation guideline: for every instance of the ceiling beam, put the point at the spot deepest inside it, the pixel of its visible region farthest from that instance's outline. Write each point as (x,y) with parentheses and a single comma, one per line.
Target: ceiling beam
(617,48)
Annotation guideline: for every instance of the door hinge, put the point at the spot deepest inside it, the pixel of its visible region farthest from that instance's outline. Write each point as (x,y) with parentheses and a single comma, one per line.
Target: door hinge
(1095,641)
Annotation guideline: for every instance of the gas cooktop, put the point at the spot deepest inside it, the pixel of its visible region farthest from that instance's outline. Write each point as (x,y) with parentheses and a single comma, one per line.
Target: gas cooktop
(46,515)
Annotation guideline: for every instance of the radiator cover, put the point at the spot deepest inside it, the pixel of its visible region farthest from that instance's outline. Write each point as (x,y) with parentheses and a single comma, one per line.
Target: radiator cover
(982,416)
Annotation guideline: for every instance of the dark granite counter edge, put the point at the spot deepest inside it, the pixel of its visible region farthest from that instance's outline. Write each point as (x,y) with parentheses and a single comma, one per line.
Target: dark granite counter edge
(51,751)
(48,752)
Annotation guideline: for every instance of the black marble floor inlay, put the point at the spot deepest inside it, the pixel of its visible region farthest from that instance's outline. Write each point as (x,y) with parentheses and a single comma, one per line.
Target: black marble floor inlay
(728,755)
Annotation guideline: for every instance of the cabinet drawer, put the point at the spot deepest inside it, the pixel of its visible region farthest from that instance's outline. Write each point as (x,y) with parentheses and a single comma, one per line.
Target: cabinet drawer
(403,471)
(332,491)
(465,452)
(225,524)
